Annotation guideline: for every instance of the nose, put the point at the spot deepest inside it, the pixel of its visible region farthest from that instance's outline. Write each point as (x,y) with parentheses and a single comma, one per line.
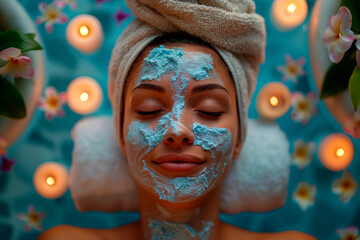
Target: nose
(182,136)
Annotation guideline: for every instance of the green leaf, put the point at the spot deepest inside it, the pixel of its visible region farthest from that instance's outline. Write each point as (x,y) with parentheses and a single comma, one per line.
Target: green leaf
(337,77)
(354,7)
(16,39)
(12,104)
(354,87)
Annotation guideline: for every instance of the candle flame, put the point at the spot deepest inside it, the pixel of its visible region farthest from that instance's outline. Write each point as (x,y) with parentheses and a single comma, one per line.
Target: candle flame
(50,181)
(84,96)
(340,152)
(291,8)
(274,101)
(84,31)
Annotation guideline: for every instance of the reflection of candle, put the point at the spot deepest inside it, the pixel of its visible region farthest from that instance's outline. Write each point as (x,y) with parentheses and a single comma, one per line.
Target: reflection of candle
(273,100)
(336,152)
(287,14)
(84,95)
(51,180)
(85,33)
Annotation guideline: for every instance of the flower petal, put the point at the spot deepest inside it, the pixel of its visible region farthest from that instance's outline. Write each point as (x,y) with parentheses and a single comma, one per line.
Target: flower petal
(346,18)
(345,41)
(62,19)
(6,69)
(49,27)
(9,53)
(60,4)
(42,7)
(335,55)
(29,73)
(50,91)
(24,60)
(39,20)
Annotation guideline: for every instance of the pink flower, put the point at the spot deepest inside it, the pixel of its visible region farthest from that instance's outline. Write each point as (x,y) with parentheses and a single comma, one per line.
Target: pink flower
(17,66)
(32,218)
(101,1)
(63,3)
(304,107)
(292,69)
(120,16)
(358,52)
(338,37)
(304,195)
(303,153)
(349,233)
(51,14)
(6,164)
(346,187)
(52,103)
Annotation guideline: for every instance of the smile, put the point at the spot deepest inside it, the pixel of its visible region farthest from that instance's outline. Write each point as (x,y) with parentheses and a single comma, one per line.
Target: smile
(178,162)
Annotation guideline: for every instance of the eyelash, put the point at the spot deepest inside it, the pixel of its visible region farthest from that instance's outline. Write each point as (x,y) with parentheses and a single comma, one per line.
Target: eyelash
(148,113)
(211,114)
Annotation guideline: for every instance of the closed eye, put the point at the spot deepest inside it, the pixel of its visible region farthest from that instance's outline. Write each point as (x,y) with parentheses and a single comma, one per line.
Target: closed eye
(148,113)
(211,114)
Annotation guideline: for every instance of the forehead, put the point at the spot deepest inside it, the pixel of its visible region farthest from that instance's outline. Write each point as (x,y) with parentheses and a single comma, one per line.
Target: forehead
(193,57)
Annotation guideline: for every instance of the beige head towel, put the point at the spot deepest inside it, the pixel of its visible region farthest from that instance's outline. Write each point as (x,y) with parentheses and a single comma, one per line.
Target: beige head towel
(230,26)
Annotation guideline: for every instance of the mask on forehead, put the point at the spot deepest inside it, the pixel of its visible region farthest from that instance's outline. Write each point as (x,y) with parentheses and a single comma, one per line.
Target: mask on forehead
(142,138)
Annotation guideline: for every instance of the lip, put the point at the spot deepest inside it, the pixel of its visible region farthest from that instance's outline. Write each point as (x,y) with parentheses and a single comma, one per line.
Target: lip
(178,162)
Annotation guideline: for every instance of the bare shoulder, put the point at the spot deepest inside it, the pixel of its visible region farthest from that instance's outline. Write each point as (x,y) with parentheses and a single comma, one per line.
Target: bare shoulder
(229,232)
(129,231)
(293,235)
(69,232)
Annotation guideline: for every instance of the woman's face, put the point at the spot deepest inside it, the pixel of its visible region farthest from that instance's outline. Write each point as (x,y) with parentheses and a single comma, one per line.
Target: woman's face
(180,127)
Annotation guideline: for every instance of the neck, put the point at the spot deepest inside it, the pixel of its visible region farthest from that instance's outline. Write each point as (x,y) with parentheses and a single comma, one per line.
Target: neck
(198,219)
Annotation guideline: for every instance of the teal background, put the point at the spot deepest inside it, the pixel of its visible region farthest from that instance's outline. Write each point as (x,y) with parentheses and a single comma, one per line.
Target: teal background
(45,140)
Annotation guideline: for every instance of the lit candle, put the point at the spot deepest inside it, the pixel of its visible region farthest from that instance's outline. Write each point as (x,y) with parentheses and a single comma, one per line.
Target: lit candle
(85,33)
(336,152)
(50,180)
(84,95)
(273,100)
(287,14)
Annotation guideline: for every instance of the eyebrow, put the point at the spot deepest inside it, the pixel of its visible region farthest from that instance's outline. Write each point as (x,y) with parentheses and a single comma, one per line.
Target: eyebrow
(206,87)
(150,87)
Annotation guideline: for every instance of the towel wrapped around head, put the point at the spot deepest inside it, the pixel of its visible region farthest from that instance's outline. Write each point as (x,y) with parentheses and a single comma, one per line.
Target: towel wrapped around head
(230,26)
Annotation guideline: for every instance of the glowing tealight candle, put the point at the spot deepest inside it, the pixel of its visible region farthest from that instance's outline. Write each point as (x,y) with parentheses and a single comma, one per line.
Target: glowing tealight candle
(84,95)
(51,180)
(85,33)
(287,14)
(273,100)
(336,152)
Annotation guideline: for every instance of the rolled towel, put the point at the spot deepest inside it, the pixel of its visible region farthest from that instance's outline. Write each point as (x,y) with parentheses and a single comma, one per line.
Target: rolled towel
(230,26)
(100,179)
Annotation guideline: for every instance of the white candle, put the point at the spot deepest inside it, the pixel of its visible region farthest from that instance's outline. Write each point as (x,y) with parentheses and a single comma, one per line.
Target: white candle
(336,152)
(85,33)
(84,95)
(50,180)
(288,14)
(273,100)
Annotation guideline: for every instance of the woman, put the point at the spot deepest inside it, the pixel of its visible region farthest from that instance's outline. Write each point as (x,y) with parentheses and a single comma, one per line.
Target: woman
(180,106)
